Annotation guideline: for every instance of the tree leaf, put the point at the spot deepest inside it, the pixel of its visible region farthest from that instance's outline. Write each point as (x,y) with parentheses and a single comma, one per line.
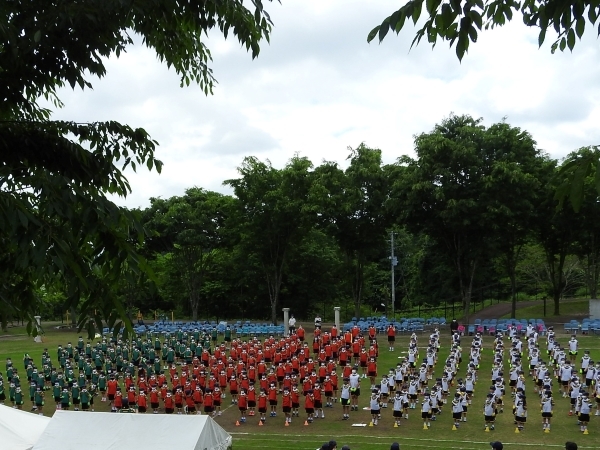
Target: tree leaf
(541,37)
(384,28)
(571,39)
(373,33)
(418,7)
(580,27)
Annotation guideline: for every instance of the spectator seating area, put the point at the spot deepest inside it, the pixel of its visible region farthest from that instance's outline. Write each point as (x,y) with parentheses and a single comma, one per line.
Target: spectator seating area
(245,328)
(491,326)
(403,324)
(586,326)
(248,328)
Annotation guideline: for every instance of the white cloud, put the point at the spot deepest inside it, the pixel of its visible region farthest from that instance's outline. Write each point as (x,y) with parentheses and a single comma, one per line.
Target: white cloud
(319,88)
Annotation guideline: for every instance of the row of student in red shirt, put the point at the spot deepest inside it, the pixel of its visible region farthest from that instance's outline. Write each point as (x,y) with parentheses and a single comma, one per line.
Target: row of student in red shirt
(308,375)
(178,401)
(272,351)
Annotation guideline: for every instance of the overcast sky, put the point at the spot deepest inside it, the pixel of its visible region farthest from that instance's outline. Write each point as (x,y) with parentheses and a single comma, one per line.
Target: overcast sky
(319,88)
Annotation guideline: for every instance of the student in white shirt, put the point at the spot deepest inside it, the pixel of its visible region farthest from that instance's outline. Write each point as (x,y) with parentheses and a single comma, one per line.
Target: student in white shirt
(426,412)
(397,414)
(547,408)
(375,407)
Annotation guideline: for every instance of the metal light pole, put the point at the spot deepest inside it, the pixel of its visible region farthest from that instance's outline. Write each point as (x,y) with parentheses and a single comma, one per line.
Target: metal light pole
(394,262)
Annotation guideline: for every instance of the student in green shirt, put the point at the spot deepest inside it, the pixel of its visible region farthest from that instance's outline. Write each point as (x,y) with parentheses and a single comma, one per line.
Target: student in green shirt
(170,357)
(29,372)
(65,399)
(81,381)
(157,366)
(80,361)
(76,396)
(89,372)
(188,356)
(85,399)
(35,377)
(93,390)
(2,393)
(135,356)
(56,394)
(11,392)
(19,398)
(70,374)
(32,389)
(98,361)
(63,360)
(151,355)
(60,380)
(15,378)
(38,399)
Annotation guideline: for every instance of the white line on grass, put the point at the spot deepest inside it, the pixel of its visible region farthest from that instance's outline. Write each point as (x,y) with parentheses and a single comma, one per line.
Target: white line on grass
(398,438)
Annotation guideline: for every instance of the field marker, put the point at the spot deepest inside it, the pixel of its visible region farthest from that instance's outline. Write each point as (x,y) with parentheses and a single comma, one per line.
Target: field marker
(278,436)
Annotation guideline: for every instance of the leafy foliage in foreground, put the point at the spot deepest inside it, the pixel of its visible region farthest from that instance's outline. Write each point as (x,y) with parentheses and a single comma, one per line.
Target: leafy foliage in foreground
(459,22)
(56,223)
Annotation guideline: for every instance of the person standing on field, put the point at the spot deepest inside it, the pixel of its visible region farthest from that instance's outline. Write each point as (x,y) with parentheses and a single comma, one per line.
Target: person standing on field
(318,322)
(391,334)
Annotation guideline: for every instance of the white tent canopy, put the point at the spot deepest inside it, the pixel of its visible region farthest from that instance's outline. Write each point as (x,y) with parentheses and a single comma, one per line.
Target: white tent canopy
(19,430)
(71,430)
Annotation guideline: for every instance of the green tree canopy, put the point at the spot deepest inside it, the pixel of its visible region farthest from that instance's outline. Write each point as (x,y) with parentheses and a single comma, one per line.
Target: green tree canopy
(351,207)
(191,229)
(274,215)
(459,22)
(55,217)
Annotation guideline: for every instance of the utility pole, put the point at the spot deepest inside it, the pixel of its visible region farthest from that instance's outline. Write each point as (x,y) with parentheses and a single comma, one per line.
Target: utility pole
(394,262)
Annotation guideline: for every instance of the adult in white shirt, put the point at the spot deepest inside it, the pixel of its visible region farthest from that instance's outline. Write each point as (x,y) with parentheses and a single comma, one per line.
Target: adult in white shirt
(292,324)
(318,322)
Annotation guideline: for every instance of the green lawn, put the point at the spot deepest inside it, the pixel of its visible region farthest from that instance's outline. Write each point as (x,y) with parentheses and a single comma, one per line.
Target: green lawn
(471,435)
(567,307)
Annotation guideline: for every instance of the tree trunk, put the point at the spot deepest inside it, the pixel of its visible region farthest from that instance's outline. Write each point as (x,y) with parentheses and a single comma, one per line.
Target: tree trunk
(592,273)
(468,292)
(274,277)
(555,273)
(511,268)
(73,312)
(466,288)
(273,295)
(357,287)
(194,303)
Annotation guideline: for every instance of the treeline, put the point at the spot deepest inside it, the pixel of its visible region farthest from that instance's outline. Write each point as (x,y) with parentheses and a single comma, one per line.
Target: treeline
(474,213)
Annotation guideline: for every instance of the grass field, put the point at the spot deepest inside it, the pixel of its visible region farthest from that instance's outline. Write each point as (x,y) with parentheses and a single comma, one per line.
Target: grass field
(471,435)
(570,307)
